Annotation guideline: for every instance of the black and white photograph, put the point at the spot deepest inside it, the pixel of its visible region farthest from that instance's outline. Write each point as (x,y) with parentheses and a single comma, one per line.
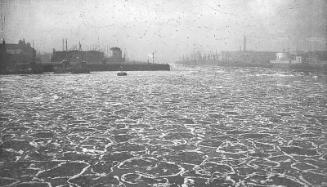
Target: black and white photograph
(163,93)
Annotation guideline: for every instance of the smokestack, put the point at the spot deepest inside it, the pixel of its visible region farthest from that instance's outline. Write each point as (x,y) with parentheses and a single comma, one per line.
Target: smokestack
(66,45)
(63,44)
(244,43)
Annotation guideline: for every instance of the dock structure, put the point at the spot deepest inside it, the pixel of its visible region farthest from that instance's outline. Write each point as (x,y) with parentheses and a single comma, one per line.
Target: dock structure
(21,58)
(98,61)
(90,56)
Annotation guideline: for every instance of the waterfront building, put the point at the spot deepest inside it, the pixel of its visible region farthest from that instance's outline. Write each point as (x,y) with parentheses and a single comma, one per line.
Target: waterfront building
(282,58)
(311,57)
(19,53)
(316,57)
(17,57)
(91,56)
(76,56)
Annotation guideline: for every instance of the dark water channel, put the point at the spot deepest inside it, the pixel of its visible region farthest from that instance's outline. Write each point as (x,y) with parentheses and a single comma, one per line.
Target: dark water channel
(205,127)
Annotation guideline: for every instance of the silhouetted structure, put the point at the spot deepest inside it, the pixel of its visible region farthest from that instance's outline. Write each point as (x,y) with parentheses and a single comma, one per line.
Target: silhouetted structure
(116,57)
(17,57)
(92,57)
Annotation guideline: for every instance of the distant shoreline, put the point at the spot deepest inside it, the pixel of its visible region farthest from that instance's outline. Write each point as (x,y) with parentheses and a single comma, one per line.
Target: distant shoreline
(301,67)
(50,67)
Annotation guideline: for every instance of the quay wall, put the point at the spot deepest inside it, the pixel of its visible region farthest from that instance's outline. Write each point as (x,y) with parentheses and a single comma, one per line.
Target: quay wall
(129,67)
(49,67)
(300,67)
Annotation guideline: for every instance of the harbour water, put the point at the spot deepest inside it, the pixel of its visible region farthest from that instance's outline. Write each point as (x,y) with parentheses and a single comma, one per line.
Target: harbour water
(200,127)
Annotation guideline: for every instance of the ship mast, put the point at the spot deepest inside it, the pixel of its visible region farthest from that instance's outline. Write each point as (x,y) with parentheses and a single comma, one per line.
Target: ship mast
(153,57)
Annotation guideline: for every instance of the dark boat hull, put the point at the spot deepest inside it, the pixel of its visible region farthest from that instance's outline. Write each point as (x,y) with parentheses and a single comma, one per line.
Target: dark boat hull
(121,74)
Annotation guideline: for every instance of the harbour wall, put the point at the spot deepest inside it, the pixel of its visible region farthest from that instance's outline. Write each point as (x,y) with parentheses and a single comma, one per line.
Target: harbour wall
(129,67)
(49,67)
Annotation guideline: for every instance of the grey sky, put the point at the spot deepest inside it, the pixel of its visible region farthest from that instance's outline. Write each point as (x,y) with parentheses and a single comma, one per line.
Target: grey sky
(169,27)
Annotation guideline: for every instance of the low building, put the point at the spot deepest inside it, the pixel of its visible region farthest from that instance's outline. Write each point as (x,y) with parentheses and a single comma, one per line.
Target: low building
(311,57)
(282,58)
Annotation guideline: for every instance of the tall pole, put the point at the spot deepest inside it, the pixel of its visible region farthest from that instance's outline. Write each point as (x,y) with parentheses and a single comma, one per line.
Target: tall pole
(153,57)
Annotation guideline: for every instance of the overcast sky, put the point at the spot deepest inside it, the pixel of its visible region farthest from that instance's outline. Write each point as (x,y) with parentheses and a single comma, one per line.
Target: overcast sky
(171,28)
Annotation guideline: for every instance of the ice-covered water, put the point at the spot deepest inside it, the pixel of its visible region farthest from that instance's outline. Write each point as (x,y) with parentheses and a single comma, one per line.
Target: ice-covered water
(205,127)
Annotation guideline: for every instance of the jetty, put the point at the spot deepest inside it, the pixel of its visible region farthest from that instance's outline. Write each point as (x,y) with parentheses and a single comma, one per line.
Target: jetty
(21,58)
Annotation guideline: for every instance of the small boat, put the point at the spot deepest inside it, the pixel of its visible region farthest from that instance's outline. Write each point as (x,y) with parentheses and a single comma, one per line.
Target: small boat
(122,73)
